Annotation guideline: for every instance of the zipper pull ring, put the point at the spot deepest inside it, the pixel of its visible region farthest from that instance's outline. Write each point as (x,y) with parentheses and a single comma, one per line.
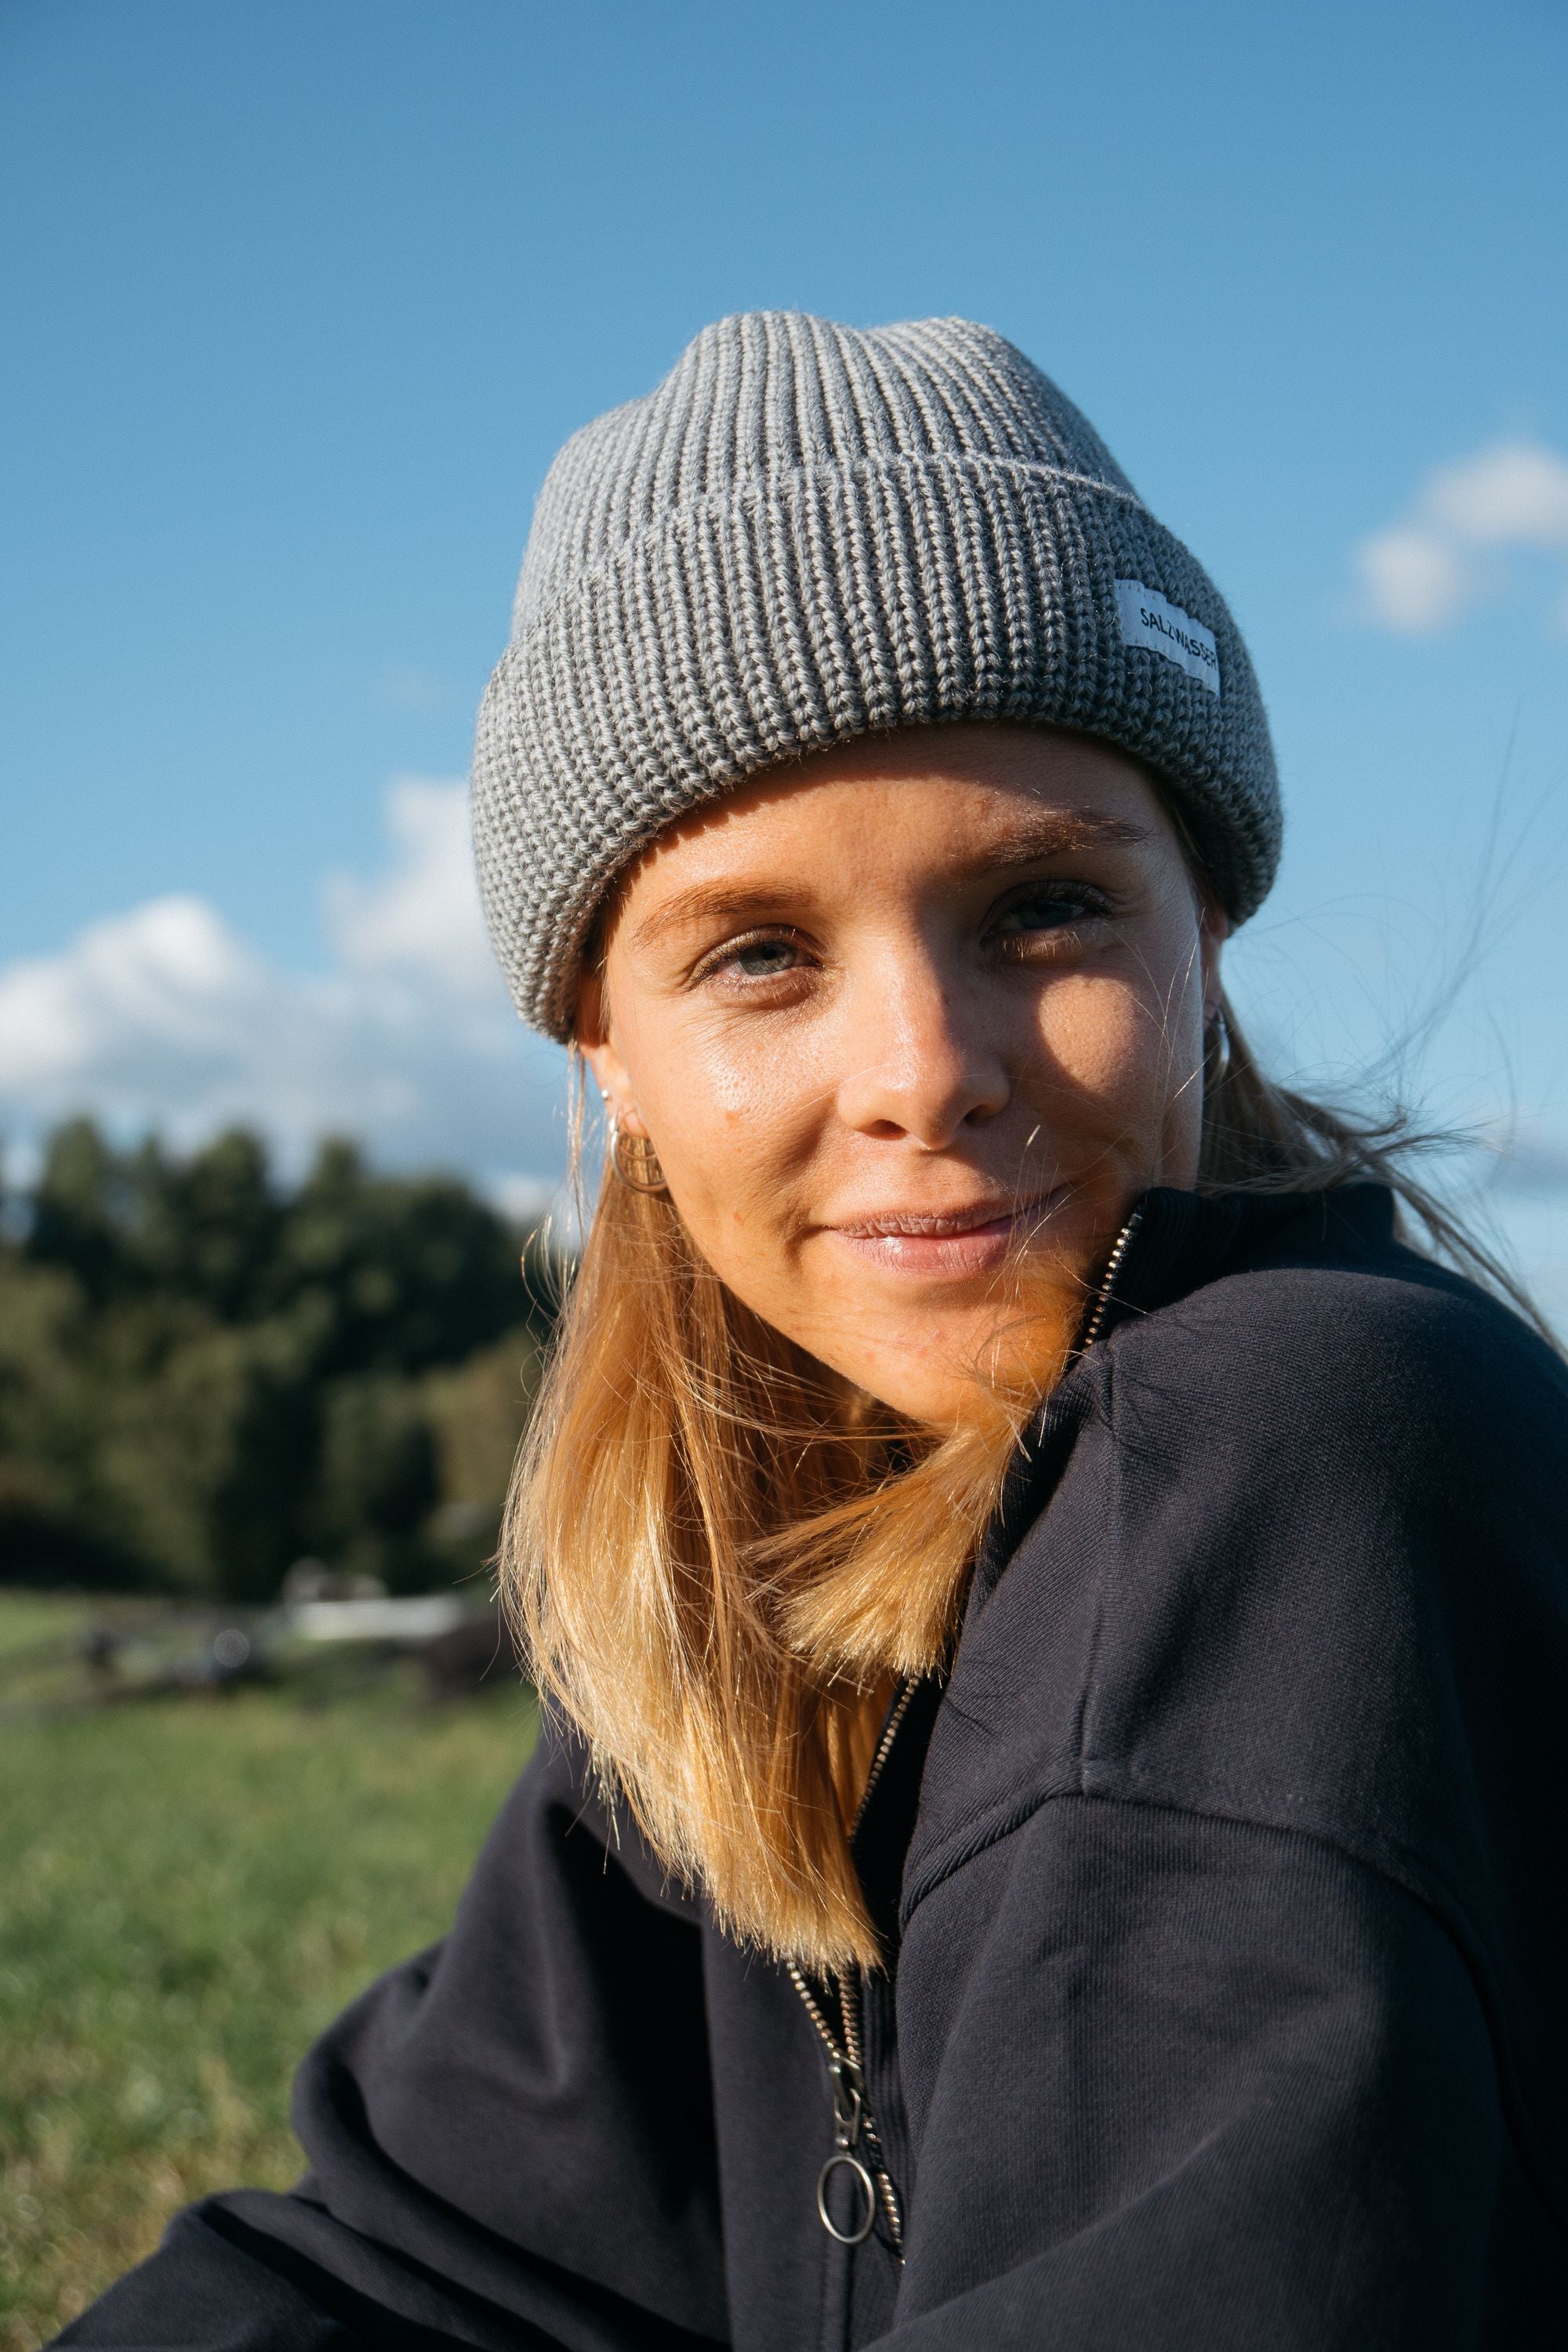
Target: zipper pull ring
(848,2107)
(844,2158)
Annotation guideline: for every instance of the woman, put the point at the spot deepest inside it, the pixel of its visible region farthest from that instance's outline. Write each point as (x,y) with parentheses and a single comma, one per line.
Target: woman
(1052,1608)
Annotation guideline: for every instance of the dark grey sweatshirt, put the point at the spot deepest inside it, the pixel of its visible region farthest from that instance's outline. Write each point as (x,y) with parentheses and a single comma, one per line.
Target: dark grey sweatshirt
(1222,1882)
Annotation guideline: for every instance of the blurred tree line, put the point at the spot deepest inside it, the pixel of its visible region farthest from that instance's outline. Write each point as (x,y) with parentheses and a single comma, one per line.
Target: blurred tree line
(206,1374)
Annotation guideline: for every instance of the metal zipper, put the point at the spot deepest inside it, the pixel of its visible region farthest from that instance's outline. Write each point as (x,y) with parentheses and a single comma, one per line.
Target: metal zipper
(853,2122)
(896,1714)
(1112,1268)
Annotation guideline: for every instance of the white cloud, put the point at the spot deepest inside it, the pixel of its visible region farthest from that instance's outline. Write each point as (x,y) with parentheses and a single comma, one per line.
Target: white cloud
(421,919)
(1513,494)
(163,1017)
(1423,573)
(1415,580)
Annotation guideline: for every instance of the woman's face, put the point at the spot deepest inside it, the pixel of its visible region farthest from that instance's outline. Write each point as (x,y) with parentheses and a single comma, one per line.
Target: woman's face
(909,1026)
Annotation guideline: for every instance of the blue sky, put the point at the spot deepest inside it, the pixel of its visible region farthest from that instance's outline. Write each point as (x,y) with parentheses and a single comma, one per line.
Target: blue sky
(307,295)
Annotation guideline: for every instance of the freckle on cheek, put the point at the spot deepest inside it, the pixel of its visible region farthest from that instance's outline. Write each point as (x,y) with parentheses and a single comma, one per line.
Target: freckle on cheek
(759,1095)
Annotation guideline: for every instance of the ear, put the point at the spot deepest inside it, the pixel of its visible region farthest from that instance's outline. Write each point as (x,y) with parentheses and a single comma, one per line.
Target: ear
(591,1032)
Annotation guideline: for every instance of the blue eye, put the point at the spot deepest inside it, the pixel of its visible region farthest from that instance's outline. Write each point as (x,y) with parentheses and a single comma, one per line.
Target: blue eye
(742,962)
(763,958)
(1045,910)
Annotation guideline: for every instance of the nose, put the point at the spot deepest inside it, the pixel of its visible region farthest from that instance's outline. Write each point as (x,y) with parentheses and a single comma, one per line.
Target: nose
(923,1063)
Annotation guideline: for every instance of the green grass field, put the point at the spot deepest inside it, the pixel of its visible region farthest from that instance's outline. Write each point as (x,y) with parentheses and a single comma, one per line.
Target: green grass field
(190,1888)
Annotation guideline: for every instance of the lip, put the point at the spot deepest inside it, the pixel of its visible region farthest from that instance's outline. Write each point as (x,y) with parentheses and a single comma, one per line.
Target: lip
(945,1243)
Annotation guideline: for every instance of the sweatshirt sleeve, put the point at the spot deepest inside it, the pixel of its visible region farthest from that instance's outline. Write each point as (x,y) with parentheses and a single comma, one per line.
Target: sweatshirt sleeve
(510,2138)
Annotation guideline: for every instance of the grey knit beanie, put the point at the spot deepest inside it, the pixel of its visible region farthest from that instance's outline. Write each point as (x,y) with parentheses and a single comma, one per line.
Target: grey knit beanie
(806,532)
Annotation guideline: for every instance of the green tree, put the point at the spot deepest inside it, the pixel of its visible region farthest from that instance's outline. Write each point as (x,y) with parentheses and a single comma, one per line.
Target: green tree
(203,1373)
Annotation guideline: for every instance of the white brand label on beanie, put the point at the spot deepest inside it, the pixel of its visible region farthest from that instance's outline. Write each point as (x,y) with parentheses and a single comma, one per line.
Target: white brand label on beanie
(1152,620)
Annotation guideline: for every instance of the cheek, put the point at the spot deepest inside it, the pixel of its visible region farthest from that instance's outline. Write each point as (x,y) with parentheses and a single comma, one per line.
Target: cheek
(733,1124)
(1114,1048)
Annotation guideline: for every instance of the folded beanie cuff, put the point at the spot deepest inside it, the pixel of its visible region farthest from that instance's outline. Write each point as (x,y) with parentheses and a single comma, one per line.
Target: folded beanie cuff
(803,608)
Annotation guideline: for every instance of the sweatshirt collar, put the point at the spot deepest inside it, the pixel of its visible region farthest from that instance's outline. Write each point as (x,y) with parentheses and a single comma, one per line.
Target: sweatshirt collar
(1180,1241)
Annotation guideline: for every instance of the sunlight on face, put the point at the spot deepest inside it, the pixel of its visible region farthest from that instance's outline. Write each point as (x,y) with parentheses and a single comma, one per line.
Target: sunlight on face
(909,1026)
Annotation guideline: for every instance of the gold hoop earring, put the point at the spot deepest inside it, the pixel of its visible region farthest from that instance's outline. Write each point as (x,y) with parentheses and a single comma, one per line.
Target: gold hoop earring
(644,1174)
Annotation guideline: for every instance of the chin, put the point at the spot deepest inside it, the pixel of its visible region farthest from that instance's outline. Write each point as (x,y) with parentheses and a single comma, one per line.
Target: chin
(967,1367)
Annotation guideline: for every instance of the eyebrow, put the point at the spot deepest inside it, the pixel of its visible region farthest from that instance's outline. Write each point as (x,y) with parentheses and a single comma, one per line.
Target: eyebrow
(1028,843)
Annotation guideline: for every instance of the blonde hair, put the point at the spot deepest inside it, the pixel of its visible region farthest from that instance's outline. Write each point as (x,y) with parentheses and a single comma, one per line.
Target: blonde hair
(720,1558)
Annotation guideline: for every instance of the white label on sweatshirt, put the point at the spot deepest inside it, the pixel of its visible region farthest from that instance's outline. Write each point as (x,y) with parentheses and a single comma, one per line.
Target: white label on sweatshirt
(1150,619)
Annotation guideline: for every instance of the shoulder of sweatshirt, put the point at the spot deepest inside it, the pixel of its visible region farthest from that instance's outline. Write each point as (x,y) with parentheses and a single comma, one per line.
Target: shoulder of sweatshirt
(1292,1549)
(1318,1343)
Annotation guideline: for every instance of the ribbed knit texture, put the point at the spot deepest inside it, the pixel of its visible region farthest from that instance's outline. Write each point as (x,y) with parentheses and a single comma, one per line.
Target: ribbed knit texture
(805,533)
